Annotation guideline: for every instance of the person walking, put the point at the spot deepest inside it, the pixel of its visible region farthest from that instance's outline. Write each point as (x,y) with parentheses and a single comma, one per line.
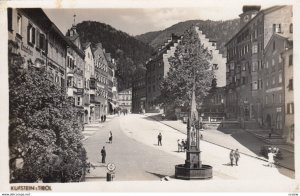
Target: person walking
(101,118)
(271,158)
(103,154)
(110,137)
(236,156)
(104,118)
(179,146)
(231,156)
(159,137)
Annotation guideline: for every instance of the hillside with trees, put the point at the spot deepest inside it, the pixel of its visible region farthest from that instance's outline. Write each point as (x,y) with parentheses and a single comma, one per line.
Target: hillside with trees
(127,50)
(219,31)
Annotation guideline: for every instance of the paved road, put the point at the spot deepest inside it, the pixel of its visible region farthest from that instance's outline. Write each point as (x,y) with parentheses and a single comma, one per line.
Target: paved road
(133,159)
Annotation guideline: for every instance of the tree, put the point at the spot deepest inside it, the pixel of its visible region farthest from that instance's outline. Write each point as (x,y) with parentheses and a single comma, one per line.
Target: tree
(44,130)
(190,60)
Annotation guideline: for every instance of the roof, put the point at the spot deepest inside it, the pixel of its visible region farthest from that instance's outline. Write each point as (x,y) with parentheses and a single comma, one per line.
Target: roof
(275,35)
(265,11)
(85,45)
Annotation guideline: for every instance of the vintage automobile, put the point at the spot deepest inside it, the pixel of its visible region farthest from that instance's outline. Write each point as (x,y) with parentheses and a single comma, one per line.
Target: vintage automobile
(264,150)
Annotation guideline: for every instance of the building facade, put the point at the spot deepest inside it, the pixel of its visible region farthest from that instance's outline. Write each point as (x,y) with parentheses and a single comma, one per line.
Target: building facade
(76,73)
(139,91)
(287,58)
(157,68)
(245,62)
(39,41)
(125,100)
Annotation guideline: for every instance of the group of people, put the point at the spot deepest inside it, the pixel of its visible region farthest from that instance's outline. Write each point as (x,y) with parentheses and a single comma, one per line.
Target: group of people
(182,145)
(234,155)
(103,118)
(103,151)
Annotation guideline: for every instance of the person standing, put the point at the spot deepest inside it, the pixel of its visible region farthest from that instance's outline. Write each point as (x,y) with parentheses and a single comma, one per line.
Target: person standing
(104,118)
(236,156)
(231,156)
(271,158)
(159,137)
(103,154)
(110,137)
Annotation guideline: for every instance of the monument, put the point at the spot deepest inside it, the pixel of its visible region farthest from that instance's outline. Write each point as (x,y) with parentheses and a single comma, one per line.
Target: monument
(193,167)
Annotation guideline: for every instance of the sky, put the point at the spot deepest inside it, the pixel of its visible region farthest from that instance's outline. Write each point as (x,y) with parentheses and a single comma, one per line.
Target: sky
(137,21)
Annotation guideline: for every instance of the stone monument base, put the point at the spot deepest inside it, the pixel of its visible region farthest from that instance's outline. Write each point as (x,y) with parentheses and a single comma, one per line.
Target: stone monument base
(182,172)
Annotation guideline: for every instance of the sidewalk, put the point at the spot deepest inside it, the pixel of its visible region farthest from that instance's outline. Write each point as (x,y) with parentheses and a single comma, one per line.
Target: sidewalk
(245,140)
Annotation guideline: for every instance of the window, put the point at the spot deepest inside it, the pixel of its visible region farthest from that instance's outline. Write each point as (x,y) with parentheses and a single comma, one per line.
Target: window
(279,98)
(274,46)
(291,28)
(280,78)
(243,67)
(267,64)
(215,67)
(78,100)
(266,99)
(254,85)
(292,132)
(273,62)
(31,34)
(19,24)
(273,98)
(243,80)
(9,18)
(254,48)
(273,80)
(277,28)
(291,60)
(38,38)
(290,108)
(254,66)
(290,86)
(279,121)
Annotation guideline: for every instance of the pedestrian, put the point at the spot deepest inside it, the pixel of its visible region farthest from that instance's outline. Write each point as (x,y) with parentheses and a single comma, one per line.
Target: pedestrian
(103,154)
(104,118)
(231,156)
(101,118)
(110,137)
(179,146)
(236,156)
(271,158)
(159,137)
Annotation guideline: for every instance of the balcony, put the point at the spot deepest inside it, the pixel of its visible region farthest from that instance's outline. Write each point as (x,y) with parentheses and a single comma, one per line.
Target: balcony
(95,99)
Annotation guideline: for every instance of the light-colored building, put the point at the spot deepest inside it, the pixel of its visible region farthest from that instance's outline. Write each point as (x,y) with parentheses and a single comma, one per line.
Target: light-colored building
(125,99)
(39,41)
(245,62)
(289,127)
(76,87)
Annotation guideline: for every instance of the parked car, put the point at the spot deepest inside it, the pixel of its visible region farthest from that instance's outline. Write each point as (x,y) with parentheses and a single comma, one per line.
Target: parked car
(264,150)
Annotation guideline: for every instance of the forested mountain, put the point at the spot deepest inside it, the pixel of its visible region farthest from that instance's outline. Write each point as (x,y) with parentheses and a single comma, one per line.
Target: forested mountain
(128,51)
(219,31)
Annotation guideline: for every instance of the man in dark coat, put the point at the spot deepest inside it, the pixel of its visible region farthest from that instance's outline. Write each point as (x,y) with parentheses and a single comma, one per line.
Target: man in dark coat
(159,137)
(103,154)
(231,156)
(236,156)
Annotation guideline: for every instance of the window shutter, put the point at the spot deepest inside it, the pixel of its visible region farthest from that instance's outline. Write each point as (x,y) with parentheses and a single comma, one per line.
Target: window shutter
(33,35)
(28,33)
(288,108)
(38,39)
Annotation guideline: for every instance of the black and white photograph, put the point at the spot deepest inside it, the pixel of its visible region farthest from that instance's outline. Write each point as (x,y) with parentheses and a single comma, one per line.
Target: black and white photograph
(196,95)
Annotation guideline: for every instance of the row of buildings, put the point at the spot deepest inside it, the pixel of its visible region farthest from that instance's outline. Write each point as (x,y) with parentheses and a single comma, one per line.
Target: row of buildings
(254,79)
(259,71)
(83,70)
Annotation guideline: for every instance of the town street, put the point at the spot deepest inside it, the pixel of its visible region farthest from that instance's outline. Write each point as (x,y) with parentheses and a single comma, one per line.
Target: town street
(136,155)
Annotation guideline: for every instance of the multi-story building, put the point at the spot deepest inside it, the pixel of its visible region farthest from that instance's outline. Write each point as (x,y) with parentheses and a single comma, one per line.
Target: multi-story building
(76,87)
(157,68)
(287,58)
(89,87)
(139,91)
(124,99)
(101,78)
(111,80)
(212,108)
(39,41)
(245,62)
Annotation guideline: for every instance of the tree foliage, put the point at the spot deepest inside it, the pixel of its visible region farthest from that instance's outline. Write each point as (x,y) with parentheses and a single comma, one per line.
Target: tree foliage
(190,60)
(44,130)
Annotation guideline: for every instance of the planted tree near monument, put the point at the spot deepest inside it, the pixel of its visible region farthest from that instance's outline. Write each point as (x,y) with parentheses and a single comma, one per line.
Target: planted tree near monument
(190,60)
(44,130)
